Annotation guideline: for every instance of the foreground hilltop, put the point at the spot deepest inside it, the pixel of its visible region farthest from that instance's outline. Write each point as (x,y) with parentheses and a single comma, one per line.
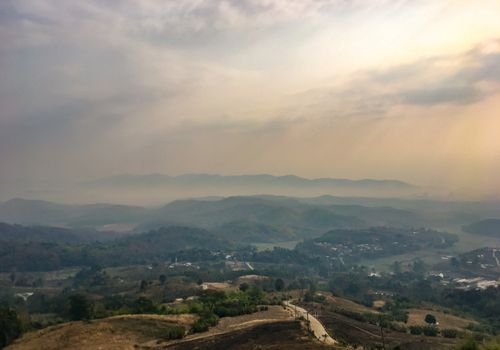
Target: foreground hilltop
(271,329)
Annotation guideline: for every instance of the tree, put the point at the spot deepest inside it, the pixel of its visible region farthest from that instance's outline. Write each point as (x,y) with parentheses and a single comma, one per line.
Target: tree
(143,305)
(430,319)
(80,308)
(449,333)
(10,326)
(255,295)
(309,296)
(430,331)
(244,287)
(279,285)
(162,279)
(210,298)
(418,266)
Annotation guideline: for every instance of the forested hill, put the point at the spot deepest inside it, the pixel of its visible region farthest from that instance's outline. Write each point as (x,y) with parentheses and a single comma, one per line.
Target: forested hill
(156,245)
(21,233)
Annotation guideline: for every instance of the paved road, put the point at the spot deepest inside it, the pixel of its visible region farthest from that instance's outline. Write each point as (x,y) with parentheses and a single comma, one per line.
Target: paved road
(316,326)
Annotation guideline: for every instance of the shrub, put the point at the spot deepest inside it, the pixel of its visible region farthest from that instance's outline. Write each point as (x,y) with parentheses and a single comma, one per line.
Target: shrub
(204,322)
(174,332)
(449,333)
(199,326)
(80,308)
(397,327)
(416,330)
(143,305)
(430,331)
(195,308)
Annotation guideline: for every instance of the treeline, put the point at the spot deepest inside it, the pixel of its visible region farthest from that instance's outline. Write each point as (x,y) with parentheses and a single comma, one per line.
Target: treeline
(152,246)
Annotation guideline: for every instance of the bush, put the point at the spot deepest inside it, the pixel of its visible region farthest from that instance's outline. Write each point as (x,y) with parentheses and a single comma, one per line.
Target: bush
(449,333)
(416,330)
(199,326)
(397,327)
(430,331)
(143,305)
(195,308)
(80,308)
(174,332)
(204,322)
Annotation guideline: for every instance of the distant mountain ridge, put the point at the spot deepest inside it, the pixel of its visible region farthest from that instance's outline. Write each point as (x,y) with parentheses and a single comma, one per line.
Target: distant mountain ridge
(241,180)
(38,212)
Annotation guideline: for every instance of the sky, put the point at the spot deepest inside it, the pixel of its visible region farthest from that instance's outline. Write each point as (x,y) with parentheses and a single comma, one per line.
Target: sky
(383,89)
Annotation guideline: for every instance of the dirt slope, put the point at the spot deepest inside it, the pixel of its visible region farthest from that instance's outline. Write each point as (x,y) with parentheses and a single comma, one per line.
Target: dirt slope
(121,332)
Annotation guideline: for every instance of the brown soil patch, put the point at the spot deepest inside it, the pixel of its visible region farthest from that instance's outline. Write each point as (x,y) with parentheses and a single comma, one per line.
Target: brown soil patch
(354,332)
(271,336)
(417,316)
(115,333)
(346,304)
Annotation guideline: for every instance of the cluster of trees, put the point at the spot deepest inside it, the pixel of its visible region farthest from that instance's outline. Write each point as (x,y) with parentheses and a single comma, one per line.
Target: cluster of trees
(210,305)
(484,303)
(149,247)
(11,326)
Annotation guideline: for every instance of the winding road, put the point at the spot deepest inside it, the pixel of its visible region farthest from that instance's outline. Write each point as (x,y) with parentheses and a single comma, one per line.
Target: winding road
(316,326)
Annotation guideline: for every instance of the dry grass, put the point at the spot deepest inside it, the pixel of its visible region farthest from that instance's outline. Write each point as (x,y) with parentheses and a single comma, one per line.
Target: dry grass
(348,304)
(183,319)
(222,286)
(417,316)
(131,331)
(120,332)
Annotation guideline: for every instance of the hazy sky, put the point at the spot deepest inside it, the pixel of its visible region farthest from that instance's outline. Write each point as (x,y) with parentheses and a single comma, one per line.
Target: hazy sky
(357,89)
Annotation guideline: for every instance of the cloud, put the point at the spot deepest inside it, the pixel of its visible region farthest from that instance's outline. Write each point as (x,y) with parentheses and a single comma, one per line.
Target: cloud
(440,95)
(461,84)
(452,80)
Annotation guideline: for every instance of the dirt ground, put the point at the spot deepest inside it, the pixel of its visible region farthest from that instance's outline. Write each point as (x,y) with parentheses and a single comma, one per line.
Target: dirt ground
(280,335)
(348,304)
(230,324)
(136,331)
(222,286)
(346,329)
